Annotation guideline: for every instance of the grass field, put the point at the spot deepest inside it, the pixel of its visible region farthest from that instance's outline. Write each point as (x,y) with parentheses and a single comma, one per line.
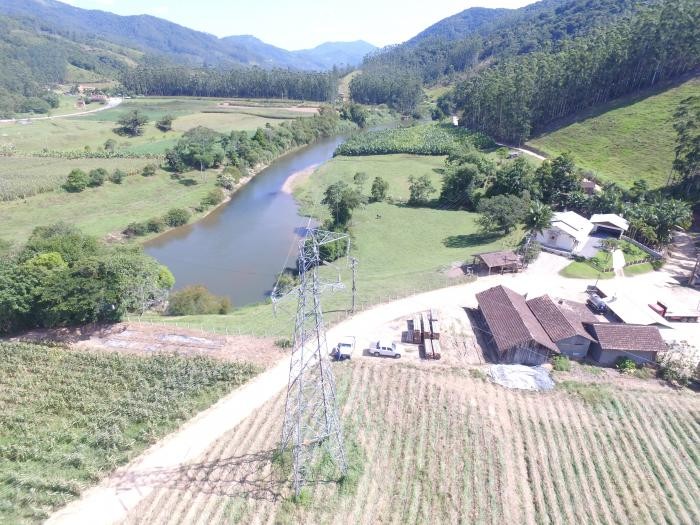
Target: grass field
(107,209)
(438,446)
(625,140)
(71,134)
(22,177)
(69,417)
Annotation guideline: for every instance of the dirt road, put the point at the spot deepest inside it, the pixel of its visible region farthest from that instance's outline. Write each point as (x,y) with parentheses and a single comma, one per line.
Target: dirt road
(111,103)
(111,500)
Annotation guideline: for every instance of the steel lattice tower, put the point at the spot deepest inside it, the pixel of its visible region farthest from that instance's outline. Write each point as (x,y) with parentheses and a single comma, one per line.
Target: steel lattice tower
(311,414)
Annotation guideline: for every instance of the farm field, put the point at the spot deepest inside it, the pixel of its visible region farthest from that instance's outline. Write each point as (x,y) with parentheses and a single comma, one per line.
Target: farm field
(22,177)
(69,417)
(74,134)
(106,209)
(625,140)
(452,448)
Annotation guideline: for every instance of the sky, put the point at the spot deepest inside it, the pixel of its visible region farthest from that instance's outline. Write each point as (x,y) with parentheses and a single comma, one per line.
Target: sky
(301,24)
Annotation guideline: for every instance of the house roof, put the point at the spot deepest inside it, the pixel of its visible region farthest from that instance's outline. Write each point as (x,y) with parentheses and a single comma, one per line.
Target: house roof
(559,321)
(611,219)
(629,311)
(511,322)
(628,337)
(497,259)
(572,224)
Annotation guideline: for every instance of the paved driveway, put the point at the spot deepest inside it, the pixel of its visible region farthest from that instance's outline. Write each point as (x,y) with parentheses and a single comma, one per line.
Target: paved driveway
(592,246)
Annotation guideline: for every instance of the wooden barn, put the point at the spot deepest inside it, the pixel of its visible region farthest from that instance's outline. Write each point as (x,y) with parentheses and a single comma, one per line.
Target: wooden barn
(516,334)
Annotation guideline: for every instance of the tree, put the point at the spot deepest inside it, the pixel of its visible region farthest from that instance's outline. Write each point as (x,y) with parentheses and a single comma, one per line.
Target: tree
(538,217)
(500,213)
(177,217)
(359,179)
(165,123)
(97,177)
(76,181)
(229,177)
(131,123)
(197,300)
(110,145)
(420,189)
(515,178)
(149,170)
(341,200)
(459,185)
(355,113)
(117,176)
(379,189)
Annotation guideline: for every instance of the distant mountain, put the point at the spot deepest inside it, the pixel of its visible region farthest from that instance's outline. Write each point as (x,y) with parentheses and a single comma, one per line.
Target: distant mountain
(156,36)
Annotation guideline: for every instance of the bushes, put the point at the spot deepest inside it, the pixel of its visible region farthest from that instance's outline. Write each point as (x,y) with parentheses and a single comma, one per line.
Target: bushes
(76,181)
(214,197)
(625,365)
(197,300)
(561,363)
(149,170)
(379,190)
(177,217)
(117,176)
(98,176)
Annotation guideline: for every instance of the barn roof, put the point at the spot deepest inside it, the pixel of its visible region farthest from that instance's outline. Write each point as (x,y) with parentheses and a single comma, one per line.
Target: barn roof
(628,337)
(559,322)
(511,322)
(499,259)
(572,224)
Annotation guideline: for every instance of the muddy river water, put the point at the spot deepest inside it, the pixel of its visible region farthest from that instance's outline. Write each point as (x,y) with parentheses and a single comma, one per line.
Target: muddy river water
(239,249)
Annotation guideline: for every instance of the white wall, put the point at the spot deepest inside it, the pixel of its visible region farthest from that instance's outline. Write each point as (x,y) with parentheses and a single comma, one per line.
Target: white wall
(556,238)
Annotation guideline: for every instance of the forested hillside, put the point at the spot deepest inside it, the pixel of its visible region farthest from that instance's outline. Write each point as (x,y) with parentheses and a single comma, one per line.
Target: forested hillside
(521,94)
(30,62)
(478,37)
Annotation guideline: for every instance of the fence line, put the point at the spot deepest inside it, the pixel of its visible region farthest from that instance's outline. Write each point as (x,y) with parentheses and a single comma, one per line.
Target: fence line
(653,253)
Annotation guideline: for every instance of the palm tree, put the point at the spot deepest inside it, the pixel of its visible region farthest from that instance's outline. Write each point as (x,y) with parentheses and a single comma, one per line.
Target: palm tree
(538,217)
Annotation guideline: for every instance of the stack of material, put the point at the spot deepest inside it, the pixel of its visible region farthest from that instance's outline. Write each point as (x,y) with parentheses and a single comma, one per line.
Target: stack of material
(521,377)
(415,330)
(434,325)
(431,348)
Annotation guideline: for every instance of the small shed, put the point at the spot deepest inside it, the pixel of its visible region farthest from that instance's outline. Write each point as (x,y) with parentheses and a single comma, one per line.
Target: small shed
(640,343)
(503,261)
(610,224)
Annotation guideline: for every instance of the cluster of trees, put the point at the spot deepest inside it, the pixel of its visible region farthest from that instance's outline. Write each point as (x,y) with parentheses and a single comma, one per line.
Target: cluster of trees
(514,192)
(398,88)
(521,94)
(62,277)
(240,82)
(197,300)
(202,148)
(173,218)
(78,180)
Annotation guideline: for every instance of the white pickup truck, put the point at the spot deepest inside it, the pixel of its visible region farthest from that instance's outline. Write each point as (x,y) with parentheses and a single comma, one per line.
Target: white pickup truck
(385,348)
(344,349)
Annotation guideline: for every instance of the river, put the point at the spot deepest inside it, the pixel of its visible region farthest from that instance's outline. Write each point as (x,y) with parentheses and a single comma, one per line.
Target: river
(240,247)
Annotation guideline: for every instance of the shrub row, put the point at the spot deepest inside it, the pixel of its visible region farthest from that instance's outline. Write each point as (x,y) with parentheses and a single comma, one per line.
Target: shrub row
(173,218)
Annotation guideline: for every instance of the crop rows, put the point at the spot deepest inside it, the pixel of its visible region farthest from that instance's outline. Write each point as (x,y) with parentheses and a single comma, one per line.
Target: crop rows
(68,417)
(441,447)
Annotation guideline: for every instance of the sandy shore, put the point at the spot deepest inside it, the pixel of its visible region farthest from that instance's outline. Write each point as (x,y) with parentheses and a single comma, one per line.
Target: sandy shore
(297,177)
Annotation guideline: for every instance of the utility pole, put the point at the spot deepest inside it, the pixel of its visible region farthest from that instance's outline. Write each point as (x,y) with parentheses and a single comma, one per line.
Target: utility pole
(311,414)
(353,265)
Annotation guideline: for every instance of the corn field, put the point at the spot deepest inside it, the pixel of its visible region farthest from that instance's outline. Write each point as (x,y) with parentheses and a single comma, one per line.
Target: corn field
(67,418)
(443,446)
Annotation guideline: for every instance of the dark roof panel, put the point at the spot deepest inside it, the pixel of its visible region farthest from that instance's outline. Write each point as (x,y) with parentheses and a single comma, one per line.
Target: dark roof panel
(628,337)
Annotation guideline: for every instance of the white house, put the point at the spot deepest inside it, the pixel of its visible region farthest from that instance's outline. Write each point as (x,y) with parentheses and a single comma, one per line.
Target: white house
(609,223)
(568,232)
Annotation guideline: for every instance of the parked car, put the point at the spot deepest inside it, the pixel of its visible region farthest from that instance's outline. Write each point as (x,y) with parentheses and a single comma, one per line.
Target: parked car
(344,349)
(385,348)
(596,304)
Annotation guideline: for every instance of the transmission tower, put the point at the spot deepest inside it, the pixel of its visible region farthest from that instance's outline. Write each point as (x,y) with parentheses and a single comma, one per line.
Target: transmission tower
(311,414)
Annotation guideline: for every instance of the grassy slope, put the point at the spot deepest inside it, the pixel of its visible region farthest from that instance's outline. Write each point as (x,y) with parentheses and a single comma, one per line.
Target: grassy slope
(106,209)
(625,140)
(69,417)
(404,251)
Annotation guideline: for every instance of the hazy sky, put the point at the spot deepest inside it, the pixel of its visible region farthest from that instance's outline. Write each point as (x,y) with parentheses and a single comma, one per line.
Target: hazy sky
(299,24)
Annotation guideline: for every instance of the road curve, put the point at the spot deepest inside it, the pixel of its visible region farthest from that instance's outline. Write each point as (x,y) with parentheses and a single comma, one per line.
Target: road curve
(111,103)
(523,150)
